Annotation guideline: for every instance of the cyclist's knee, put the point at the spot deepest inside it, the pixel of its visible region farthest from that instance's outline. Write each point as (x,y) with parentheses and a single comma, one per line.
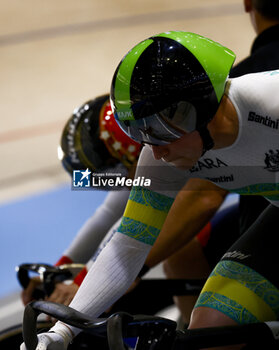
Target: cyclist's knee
(207,317)
(203,317)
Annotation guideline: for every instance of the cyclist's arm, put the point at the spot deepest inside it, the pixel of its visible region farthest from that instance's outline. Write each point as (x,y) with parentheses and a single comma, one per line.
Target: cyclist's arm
(95,228)
(191,210)
(193,207)
(81,275)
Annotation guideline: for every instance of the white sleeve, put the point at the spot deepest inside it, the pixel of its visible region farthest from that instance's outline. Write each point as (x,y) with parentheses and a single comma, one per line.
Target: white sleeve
(111,275)
(102,245)
(104,242)
(96,227)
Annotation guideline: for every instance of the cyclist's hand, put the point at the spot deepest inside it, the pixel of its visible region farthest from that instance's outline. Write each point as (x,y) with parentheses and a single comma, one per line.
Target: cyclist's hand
(58,340)
(27,293)
(63,293)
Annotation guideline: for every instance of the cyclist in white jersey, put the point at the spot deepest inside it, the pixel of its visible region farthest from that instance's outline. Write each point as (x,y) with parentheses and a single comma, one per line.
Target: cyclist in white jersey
(196,129)
(80,148)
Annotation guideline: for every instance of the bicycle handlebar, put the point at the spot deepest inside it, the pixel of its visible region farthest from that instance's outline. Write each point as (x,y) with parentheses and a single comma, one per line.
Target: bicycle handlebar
(115,327)
(48,274)
(60,312)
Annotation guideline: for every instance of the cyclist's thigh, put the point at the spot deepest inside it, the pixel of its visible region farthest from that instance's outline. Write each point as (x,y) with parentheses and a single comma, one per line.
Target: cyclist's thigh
(244,284)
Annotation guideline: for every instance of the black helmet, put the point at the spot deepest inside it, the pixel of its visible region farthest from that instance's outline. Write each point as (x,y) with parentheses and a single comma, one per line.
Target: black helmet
(92,139)
(170,83)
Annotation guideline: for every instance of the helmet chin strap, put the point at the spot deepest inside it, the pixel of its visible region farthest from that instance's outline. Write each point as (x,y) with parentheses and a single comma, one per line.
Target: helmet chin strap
(207,140)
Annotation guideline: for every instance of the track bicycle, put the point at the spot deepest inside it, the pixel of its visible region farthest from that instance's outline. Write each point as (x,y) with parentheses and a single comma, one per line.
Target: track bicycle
(11,338)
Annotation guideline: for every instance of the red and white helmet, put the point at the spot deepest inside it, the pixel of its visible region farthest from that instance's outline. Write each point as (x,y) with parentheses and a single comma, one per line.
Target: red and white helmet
(119,144)
(92,139)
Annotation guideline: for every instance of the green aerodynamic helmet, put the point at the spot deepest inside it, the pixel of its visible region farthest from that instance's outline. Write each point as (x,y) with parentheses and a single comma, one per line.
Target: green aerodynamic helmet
(168,84)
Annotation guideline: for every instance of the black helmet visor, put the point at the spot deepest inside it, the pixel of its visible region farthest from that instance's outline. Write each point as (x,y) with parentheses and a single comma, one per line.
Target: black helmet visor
(163,127)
